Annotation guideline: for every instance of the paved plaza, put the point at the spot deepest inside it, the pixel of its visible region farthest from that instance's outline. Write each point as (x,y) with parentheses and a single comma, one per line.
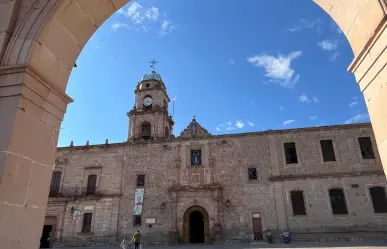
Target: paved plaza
(378,245)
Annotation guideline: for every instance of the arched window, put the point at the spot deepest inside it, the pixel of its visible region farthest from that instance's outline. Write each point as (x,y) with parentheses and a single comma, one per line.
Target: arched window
(146,130)
(166,132)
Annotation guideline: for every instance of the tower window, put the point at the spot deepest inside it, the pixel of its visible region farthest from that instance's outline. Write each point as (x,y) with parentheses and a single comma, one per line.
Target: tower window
(252,173)
(290,153)
(366,149)
(338,203)
(146,130)
(379,199)
(140,181)
(298,203)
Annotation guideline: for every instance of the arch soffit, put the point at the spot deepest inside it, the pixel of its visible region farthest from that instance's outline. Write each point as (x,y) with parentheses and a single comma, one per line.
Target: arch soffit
(194,208)
(193,203)
(74,22)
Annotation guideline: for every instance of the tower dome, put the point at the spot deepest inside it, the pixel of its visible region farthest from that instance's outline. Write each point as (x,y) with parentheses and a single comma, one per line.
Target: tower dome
(152,76)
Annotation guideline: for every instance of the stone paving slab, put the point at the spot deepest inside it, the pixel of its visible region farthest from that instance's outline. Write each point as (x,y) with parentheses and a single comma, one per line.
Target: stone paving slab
(376,245)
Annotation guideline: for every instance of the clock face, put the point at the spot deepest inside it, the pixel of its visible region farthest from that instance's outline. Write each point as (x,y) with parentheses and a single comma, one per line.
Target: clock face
(147,101)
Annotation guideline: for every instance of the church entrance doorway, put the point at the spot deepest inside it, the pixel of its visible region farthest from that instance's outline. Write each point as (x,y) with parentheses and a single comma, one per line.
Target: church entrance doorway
(196,225)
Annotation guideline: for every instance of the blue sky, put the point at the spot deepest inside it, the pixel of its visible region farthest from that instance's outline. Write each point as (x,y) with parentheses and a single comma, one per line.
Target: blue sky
(237,66)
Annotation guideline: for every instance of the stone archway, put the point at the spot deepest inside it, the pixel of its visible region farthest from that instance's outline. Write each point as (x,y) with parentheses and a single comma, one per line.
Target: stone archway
(193,214)
(39,44)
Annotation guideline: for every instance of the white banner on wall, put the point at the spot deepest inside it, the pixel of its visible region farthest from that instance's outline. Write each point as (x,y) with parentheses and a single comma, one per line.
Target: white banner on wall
(138,201)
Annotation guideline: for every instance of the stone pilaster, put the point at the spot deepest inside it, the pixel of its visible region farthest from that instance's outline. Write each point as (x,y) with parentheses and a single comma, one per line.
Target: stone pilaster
(31,112)
(370,69)
(277,186)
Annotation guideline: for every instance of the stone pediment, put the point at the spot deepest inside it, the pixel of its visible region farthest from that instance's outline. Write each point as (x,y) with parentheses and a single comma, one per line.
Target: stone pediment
(194,129)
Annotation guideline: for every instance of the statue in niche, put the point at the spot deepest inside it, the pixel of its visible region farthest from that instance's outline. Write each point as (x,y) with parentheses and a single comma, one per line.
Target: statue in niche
(193,129)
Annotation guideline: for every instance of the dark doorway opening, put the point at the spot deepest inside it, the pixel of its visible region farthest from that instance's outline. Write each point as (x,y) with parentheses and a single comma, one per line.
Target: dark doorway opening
(196,227)
(45,240)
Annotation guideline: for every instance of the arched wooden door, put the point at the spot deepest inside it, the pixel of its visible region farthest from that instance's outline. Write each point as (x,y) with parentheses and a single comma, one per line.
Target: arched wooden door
(186,223)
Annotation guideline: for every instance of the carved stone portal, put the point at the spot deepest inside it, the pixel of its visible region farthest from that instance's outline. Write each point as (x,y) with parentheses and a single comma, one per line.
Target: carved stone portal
(186,223)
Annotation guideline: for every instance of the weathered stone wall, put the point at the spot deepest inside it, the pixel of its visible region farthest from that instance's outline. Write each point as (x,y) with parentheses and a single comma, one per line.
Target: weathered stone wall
(76,164)
(225,161)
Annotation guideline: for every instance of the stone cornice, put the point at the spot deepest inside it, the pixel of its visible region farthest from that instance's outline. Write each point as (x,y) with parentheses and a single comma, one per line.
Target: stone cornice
(26,68)
(155,109)
(217,137)
(281,178)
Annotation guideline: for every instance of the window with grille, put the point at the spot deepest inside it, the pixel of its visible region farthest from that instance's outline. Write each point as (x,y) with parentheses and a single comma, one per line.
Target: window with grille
(379,199)
(338,202)
(87,217)
(367,152)
(55,183)
(140,181)
(252,173)
(290,153)
(91,185)
(298,202)
(327,150)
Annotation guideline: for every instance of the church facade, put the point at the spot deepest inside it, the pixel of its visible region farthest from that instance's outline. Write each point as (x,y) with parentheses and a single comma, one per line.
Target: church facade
(317,183)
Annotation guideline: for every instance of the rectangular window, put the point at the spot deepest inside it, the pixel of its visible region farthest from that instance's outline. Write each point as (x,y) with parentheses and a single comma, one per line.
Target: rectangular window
(298,203)
(379,199)
(252,172)
(140,181)
(367,152)
(55,183)
(91,185)
(196,157)
(87,217)
(338,203)
(327,151)
(137,220)
(290,153)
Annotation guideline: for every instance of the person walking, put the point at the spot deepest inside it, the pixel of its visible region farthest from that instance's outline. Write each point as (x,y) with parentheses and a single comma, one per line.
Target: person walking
(136,239)
(124,244)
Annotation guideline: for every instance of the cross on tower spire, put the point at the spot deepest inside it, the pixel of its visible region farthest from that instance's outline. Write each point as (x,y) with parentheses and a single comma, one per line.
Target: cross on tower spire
(153,64)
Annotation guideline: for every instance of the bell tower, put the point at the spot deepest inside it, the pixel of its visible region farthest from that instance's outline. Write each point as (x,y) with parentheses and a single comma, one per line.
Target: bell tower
(149,119)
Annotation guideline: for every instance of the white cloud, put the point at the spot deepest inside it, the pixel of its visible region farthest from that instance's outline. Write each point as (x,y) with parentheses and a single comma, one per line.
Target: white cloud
(304,99)
(321,124)
(353,103)
(327,45)
(334,56)
(138,14)
(117,26)
(288,122)
(229,123)
(251,124)
(281,108)
(239,124)
(278,69)
(231,61)
(231,128)
(217,129)
(313,117)
(167,27)
(359,118)
(152,13)
(306,24)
